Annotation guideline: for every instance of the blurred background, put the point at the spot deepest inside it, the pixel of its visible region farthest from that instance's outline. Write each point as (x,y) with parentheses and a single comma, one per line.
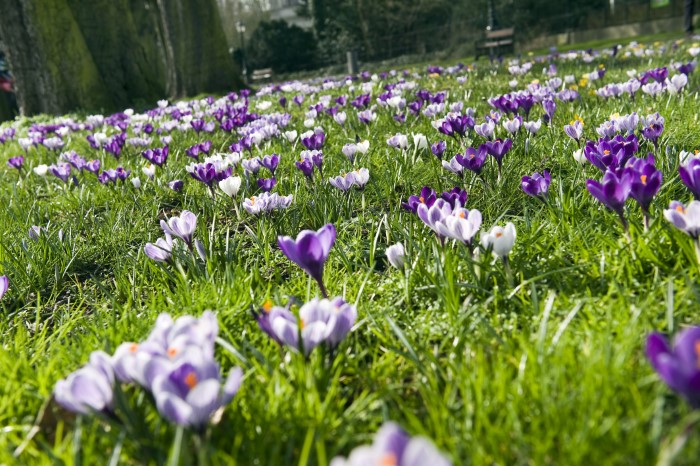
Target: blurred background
(58,56)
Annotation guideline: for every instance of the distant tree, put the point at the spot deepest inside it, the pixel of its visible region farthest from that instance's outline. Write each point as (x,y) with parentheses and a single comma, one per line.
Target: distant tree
(282,47)
(102,55)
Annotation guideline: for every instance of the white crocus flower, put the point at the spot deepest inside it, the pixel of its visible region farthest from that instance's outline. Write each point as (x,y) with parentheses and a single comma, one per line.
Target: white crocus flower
(500,240)
(396,255)
(231,185)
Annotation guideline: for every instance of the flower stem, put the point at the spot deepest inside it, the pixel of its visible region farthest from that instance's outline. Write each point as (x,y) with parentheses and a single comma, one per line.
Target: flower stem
(324,291)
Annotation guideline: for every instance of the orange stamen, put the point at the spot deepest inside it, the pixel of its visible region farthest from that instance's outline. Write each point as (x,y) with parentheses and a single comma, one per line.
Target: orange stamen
(133,347)
(172,352)
(191,380)
(267,306)
(644,179)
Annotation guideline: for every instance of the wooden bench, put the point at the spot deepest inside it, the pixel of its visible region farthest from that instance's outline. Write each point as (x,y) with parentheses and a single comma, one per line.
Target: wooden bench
(496,42)
(264,74)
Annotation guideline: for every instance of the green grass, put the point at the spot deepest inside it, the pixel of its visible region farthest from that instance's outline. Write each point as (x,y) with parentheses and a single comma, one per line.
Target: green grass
(548,370)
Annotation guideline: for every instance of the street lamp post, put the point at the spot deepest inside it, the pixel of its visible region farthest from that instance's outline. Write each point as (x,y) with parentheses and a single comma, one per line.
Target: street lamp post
(240,27)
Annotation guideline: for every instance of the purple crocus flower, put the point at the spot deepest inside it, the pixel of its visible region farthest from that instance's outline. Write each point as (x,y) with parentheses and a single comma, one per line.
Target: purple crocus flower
(310,251)
(93,166)
(266,184)
(679,366)
(612,192)
(498,149)
(427,196)
(61,171)
(191,391)
(16,162)
(193,151)
(485,130)
(316,157)
(157,156)
(653,132)
(686,219)
(473,159)
(537,185)
(320,321)
(394,447)
(161,251)
(433,214)
(270,162)
(574,130)
(690,175)
(182,227)
(646,181)
(4,285)
(90,389)
(176,185)
(438,149)
(314,141)
(549,108)
(306,167)
(457,197)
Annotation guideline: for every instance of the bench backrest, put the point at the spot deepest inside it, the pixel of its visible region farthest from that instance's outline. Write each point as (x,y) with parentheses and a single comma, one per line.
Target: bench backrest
(500,33)
(263,72)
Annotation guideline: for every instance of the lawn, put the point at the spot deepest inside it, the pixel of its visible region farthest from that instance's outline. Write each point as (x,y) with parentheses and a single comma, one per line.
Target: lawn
(534,360)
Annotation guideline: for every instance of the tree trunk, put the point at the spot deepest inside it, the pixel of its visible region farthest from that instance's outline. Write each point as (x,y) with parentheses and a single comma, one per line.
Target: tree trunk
(102,55)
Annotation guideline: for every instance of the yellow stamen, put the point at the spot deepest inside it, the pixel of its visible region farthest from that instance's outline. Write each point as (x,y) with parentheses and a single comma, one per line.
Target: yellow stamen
(606,152)
(422,200)
(644,179)
(302,324)
(461,215)
(267,306)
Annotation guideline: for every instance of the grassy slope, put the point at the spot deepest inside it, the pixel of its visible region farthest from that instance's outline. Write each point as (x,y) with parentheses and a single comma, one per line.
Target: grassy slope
(548,371)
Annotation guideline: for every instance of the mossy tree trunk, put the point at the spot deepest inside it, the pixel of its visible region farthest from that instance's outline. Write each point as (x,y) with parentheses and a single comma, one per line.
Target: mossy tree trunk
(103,55)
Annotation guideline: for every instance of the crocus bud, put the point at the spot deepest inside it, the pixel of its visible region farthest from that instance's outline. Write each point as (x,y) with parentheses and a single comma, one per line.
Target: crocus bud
(396,255)
(231,185)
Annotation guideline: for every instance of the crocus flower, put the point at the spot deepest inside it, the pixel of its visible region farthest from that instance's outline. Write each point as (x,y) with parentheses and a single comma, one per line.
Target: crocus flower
(310,251)
(537,185)
(266,184)
(266,202)
(438,149)
(396,255)
(473,159)
(500,240)
(270,162)
(686,219)
(191,391)
(427,196)
(498,149)
(461,225)
(61,171)
(653,132)
(176,185)
(90,389)
(320,321)
(157,156)
(574,130)
(433,214)
(182,227)
(532,126)
(485,130)
(679,366)
(513,126)
(393,447)
(343,182)
(306,167)
(612,192)
(549,108)
(314,141)
(161,251)
(360,177)
(230,185)
(690,175)
(16,162)
(4,285)
(453,166)
(457,197)
(398,141)
(646,181)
